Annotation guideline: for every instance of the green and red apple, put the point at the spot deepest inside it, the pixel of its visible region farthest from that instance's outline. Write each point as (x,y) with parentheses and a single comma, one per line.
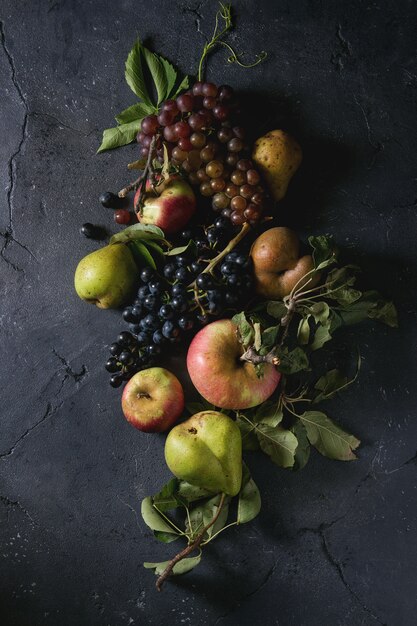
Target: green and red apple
(169,207)
(153,400)
(218,374)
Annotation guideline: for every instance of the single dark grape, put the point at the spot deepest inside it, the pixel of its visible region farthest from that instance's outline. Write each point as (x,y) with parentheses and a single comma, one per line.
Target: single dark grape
(143,292)
(121,216)
(204,281)
(154,350)
(185,322)
(179,303)
(169,270)
(135,328)
(166,312)
(126,358)
(170,330)
(89,230)
(116,380)
(128,315)
(142,338)
(182,260)
(158,338)
(125,338)
(137,311)
(155,286)
(181,274)
(186,235)
(146,274)
(149,125)
(150,302)
(178,289)
(115,349)
(196,267)
(151,322)
(109,200)
(112,365)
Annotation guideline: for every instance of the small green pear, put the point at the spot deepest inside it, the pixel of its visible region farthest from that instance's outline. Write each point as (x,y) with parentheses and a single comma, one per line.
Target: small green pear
(206,451)
(107,277)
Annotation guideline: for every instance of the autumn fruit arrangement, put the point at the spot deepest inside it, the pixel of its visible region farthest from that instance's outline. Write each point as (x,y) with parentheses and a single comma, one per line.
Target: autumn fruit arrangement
(205,273)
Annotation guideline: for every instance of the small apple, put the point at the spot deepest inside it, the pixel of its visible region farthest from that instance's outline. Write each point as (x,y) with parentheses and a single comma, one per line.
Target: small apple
(153,400)
(215,368)
(170,207)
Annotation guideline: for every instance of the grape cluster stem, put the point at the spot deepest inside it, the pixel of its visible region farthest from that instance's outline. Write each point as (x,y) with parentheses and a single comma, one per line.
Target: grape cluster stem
(190,548)
(141,180)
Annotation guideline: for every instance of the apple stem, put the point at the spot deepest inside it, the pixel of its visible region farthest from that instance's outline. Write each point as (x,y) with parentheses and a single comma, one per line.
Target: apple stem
(253,357)
(190,548)
(141,180)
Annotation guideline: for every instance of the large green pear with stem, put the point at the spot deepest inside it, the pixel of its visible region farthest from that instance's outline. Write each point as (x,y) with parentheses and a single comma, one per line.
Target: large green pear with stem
(107,277)
(206,451)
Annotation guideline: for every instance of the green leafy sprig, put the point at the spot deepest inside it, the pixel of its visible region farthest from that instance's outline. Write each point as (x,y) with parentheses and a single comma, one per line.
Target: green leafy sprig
(152,79)
(204,516)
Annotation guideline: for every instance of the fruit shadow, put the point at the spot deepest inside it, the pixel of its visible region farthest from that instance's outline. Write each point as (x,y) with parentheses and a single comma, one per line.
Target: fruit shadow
(327,162)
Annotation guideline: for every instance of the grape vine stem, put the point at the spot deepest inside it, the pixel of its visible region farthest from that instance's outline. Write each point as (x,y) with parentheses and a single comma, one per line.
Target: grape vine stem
(190,548)
(232,244)
(141,180)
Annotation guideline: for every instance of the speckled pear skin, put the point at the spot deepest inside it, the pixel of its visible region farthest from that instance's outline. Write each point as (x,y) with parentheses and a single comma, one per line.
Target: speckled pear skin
(277,156)
(206,451)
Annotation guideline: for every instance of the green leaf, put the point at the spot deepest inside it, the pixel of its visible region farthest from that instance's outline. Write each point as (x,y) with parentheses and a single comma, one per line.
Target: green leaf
(156,250)
(249,503)
(157,71)
(166,499)
(142,254)
(245,329)
(134,113)
(332,382)
(184,84)
(324,252)
(170,76)
(209,511)
(278,443)
(138,231)
(320,311)
(329,439)
(269,413)
(293,362)
(370,305)
(269,337)
(182,567)
(153,519)
(190,248)
(165,537)
(249,438)
(134,73)
(119,136)
(276,309)
(303,332)
(302,452)
(191,493)
(321,335)
(384,312)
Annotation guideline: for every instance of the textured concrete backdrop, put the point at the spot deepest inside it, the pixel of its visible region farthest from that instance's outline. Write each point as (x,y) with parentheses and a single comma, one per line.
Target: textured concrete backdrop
(334,544)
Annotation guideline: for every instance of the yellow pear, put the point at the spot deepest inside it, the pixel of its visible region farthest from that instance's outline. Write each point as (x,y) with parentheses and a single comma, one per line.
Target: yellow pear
(277,156)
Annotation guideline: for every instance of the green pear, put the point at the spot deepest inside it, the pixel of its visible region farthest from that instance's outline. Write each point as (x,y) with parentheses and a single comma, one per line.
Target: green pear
(206,451)
(107,277)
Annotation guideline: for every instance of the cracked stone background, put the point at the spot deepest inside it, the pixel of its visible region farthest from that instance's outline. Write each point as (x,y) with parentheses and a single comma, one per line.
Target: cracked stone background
(334,544)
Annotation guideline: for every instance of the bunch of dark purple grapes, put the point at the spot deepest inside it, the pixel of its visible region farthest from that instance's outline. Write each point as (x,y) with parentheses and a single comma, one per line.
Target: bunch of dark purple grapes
(200,131)
(177,300)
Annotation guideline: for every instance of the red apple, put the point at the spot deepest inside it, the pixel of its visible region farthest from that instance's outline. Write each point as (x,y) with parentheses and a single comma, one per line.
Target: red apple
(214,365)
(153,400)
(170,207)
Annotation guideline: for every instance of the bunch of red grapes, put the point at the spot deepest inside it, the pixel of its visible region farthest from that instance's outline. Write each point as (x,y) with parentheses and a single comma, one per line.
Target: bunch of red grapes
(199,132)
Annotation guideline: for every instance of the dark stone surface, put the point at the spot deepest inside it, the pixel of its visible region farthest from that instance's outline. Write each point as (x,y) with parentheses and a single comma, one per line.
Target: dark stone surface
(334,544)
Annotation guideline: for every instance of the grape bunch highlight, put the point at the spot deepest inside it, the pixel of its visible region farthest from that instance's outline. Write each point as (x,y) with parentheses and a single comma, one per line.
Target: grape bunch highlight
(205,143)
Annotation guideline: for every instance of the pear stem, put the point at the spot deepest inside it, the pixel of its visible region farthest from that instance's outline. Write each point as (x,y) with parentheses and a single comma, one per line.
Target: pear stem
(190,548)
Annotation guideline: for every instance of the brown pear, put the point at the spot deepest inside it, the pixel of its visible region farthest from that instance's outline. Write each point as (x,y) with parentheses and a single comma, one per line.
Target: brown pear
(277,265)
